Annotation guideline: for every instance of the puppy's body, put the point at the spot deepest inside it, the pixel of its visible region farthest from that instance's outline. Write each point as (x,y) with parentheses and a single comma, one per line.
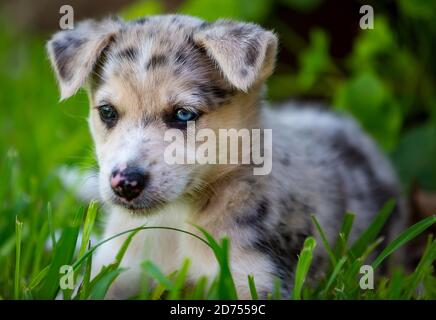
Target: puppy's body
(322,163)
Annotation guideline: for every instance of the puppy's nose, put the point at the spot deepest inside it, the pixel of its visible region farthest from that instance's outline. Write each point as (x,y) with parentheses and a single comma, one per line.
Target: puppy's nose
(128,183)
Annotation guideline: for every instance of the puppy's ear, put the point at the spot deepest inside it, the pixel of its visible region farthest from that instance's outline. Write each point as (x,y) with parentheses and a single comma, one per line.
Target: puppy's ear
(244,52)
(73,53)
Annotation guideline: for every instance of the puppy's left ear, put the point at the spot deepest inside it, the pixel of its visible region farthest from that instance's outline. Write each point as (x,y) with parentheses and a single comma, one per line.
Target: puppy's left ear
(244,52)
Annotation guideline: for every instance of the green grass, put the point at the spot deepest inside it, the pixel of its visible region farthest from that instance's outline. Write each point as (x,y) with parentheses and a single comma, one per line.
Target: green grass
(40,221)
(340,282)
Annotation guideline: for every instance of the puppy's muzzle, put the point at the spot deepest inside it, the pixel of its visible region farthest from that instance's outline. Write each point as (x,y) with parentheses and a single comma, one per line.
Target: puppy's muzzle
(129,182)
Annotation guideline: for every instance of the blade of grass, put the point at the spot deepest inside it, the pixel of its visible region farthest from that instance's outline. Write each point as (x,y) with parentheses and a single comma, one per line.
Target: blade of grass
(85,286)
(344,233)
(156,274)
(199,290)
(333,276)
(227,289)
(27,294)
(17,277)
(124,247)
(158,292)
(36,280)
(39,249)
(304,262)
(353,267)
(371,248)
(100,288)
(63,255)
(423,268)
(80,260)
(277,285)
(87,228)
(212,293)
(50,226)
(403,238)
(145,288)
(396,283)
(252,286)
(226,285)
(370,234)
(180,281)
(324,240)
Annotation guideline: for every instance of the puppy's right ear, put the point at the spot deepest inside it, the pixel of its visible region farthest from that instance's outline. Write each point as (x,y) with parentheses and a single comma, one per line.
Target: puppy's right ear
(73,53)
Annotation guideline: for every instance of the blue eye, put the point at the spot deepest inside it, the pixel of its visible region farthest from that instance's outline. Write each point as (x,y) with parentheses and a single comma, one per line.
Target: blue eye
(184,115)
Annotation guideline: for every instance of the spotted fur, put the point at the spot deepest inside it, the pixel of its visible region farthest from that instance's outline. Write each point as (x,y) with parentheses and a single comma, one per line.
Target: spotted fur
(323,163)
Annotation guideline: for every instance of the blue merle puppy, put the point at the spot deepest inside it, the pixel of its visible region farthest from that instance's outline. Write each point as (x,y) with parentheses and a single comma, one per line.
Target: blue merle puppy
(150,75)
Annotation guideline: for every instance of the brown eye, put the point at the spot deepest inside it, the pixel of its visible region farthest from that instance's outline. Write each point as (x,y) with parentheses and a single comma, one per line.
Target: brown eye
(108,114)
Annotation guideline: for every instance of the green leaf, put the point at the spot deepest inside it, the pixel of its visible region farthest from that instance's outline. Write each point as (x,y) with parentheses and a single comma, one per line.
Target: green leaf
(303,265)
(370,234)
(333,275)
(63,255)
(252,286)
(39,249)
(50,226)
(36,280)
(84,290)
(403,238)
(324,241)
(88,226)
(344,233)
(423,269)
(109,273)
(396,282)
(180,281)
(226,286)
(199,290)
(17,277)
(101,287)
(277,293)
(157,275)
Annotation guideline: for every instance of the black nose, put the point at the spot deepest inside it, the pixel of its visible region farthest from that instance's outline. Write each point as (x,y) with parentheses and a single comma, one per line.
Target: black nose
(128,183)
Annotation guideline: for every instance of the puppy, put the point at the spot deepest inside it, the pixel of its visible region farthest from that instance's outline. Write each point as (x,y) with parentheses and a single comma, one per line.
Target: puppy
(158,73)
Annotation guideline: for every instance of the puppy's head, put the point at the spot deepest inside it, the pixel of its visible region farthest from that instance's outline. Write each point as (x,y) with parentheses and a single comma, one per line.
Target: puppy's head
(147,76)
